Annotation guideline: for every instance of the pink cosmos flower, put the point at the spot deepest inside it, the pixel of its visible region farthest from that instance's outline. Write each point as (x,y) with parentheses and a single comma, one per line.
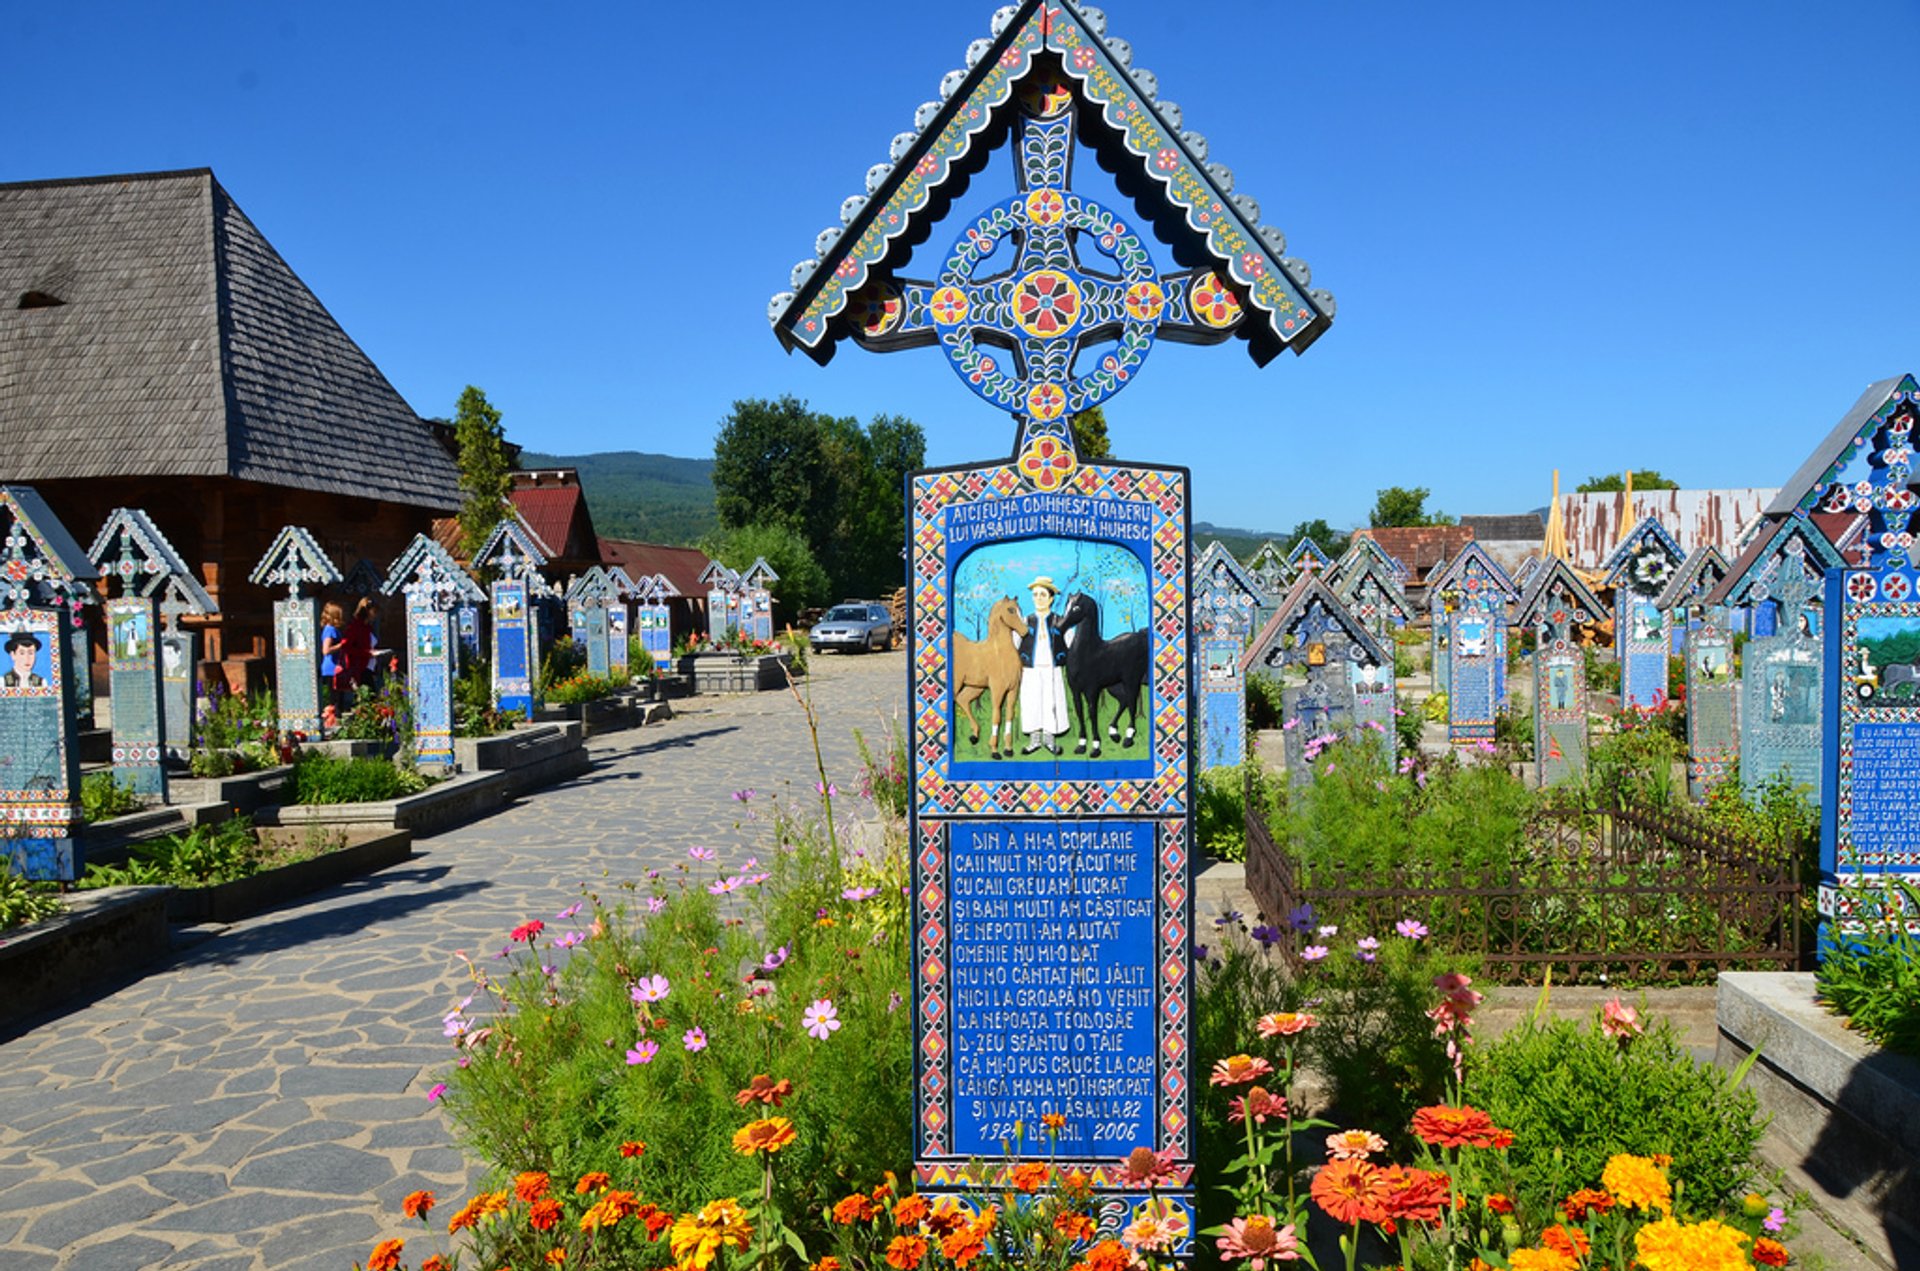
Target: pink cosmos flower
(859,893)
(656,904)
(650,988)
(701,853)
(821,1020)
(694,1039)
(1620,1021)
(1313,953)
(721,887)
(1411,929)
(644,1053)
(439,1088)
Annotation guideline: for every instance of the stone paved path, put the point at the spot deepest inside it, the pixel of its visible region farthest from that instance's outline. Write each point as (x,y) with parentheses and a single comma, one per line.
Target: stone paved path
(260,1101)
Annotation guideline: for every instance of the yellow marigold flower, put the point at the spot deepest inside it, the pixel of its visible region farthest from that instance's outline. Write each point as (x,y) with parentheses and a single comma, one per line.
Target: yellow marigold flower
(1701,1246)
(1637,1183)
(768,1135)
(612,1206)
(556,1256)
(1541,1260)
(697,1238)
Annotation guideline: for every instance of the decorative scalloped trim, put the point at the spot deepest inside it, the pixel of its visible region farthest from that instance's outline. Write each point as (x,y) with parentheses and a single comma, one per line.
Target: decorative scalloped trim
(294,558)
(1630,545)
(426,564)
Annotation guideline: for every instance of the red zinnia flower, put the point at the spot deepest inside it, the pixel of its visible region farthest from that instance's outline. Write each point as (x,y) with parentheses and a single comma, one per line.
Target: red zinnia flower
(544,1214)
(417,1204)
(1414,1195)
(1442,1126)
(527,930)
(1351,1192)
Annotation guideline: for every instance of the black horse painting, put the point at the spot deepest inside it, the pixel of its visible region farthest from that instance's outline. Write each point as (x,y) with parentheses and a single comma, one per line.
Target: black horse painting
(1096,665)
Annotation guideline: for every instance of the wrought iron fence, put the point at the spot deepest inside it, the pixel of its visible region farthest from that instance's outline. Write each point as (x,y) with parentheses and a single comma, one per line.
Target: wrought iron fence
(1628,893)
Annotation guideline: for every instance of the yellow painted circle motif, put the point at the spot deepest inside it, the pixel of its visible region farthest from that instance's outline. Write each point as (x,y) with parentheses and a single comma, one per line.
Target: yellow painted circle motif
(949,305)
(1214,303)
(1046,304)
(1046,401)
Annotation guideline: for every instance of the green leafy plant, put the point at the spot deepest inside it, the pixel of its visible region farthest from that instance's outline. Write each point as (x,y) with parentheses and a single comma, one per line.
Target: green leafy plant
(1220,806)
(563,661)
(1573,1095)
(1407,724)
(319,779)
(639,659)
(384,715)
(883,777)
(1264,708)
(1603,673)
(1434,708)
(212,763)
(103,797)
(1870,971)
(476,712)
(582,687)
(23,901)
(203,856)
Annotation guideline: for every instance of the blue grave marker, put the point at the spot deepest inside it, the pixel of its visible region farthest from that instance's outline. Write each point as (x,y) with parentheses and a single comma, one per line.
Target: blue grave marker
(435,588)
(1559,605)
(656,620)
(723,603)
(588,599)
(1225,600)
(1273,576)
(41,568)
(1367,584)
(1470,599)
(1100,830)
(295,561)
(1713,693)
(512,553)
(147,670)
(1638,571)
(758,605)
(1348,674)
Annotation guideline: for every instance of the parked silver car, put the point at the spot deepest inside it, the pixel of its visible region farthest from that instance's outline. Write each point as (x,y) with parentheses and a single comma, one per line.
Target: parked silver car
(851,625)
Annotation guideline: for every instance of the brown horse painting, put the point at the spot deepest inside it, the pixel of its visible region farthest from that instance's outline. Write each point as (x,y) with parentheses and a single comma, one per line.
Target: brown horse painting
(990,666)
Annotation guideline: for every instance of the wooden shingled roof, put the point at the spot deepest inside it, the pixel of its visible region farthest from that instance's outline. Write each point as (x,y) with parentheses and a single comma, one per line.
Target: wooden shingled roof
(148,329)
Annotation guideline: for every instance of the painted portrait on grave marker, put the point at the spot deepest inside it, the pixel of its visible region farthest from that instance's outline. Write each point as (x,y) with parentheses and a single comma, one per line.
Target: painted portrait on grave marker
(37,785)
(293,633)
(29,660)
(132,635)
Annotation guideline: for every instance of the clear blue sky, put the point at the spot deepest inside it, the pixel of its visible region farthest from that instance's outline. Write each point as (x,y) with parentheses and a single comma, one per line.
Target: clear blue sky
(1581,236)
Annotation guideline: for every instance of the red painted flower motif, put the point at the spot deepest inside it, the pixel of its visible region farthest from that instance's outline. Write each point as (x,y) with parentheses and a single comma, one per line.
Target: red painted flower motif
(1046,303)
(1047,463)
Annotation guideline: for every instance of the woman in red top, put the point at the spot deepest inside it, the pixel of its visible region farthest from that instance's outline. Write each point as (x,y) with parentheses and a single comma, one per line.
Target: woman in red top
(357,646)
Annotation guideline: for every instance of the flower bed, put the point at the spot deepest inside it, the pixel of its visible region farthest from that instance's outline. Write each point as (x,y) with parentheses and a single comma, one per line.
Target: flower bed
(735,672)
(101,937)
(326,866)
(445,804)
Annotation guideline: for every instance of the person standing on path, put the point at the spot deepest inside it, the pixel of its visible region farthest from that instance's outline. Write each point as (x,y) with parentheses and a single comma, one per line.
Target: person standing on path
(1043,684)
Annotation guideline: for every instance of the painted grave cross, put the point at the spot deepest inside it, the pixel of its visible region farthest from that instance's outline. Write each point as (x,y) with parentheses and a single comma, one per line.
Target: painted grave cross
(513,555)
(723,601)
(182,596)
(622,591)
(1273,576)
(758,606)
(1367,584)
(41,568)
(1870,824)
(1781,579)
(1307,556)
(1705,633)
(1638,571)
(131,550)
(1470,599)
(1075,577)
(1560,607)
(655,618)
(435,588)
(589,597)
(1348,675)
(295,561)
(1226,600)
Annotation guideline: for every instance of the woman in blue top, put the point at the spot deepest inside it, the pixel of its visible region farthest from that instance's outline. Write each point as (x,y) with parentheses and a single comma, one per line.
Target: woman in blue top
(333,647)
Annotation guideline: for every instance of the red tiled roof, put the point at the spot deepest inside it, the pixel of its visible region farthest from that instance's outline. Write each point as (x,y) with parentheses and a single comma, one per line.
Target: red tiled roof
(555,508)
(681,565)
(1420,547)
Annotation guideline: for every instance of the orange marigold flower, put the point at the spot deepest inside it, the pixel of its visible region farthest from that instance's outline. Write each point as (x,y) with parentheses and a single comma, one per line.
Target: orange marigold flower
(555,1257)
(1076,1186)
(1568,1240)
(1075,1226)
(1709,1245)
(764,1089)
(1540,1260)
(592,1181)
(911,1211)
(1499,1204)
(1637,1183)
(435,1263)
(544,1214)
(656,1218)
(1053,1121)
(767,1135)
(530,1186)
(1238,1070)
(828,1263)
(631,1148)
(1442,1126)
(965,1244)
(385,1256)
(1109,1255)
(854,1208)
(612,1206)
(1414,1195)
(1586,1201)
(697,1238)
(1350,1191)
(417,1204)
(1769,1253)
(1285,1023)
(906,1252)
(1029,1176)
(946,1217)
(491,1203)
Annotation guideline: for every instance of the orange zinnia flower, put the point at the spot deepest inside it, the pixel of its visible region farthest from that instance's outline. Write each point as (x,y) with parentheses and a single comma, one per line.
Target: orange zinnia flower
(1769,1253)
(764,1089)
(911,1211)
(1075,1226)
(530,1186)
(1029,1176)
(852,1209)
(592,1181)
(544,1214)
(1587,1200)
(906,1252)
(768,1135)
(1568,1240)
(385,1256)
(417,1204)
(1442,1126)
(1351,1191)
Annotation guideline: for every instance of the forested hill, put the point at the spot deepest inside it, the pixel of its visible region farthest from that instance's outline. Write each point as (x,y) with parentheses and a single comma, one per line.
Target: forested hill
(1242,543)
(652,498)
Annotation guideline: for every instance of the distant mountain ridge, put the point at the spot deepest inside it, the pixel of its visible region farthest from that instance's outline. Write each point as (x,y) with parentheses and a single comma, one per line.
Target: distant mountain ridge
(1242,543)
(648,497)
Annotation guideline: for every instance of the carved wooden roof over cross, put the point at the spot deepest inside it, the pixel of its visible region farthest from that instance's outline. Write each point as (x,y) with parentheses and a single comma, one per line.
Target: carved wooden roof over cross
(593,585)
(1081,277)
(1791,538)
(1881,426)
(1645,560)
(182,594)
(663,588)
(40,562)
(1368,583)
(511,549)
(1697,576)
(426,572)
(1557,595)
(759,574)
(1311,614)
(1472,570)
(620,583)
(1306,554)
(1364,547)
(294,561)
(131,548)
(1270,569)
(719,577)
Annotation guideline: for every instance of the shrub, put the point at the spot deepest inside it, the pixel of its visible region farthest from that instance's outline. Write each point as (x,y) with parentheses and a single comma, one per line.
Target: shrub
(1220,806)
(203,856)
(564,660)
(384,714)
(102,796)
(1871,976)
(1635,764)
(1406,724)
(23,901)
(639,660)
(1264,703)
(324,779)
(1434,708)
(1603,674)
(581,1058)
(1573,1097)
(582,687)
(476,712)
(883,777)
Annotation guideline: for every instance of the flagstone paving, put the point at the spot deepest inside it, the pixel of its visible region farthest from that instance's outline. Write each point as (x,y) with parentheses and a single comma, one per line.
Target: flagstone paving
(260,1101)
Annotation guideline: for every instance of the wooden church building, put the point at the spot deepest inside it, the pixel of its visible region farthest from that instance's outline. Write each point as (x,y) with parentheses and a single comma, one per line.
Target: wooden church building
(156,352)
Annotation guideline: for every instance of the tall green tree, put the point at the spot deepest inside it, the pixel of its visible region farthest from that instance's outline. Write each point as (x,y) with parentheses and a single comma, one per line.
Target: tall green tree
(1643,479)
(1090,435)
(802,582)
(485,472)
(1330,540)
(769,467)
(1399,506)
